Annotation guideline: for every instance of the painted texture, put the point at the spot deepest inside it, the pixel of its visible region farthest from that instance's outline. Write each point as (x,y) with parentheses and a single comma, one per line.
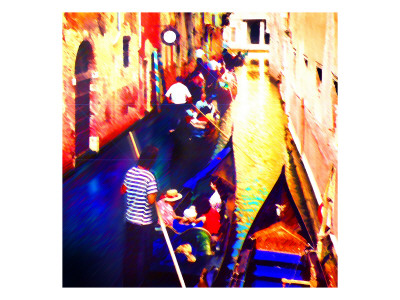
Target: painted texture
(259,146)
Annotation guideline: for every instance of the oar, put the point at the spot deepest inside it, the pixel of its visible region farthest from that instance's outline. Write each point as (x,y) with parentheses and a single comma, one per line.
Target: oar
(215,125)
(219,129)
(164,230)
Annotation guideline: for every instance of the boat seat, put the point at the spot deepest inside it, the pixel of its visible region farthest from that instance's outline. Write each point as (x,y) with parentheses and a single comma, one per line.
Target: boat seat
(272,284)
(262,255)
(277,272)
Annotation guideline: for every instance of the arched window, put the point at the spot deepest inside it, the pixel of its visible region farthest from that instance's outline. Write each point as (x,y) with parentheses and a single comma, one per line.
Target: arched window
(83,57)
(126,41)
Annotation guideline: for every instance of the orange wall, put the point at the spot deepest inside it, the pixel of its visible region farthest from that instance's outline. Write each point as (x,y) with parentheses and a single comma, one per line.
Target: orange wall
(117,93)
(116,96)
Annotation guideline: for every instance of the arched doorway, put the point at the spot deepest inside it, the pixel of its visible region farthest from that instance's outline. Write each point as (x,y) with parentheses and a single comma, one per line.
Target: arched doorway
(83,62)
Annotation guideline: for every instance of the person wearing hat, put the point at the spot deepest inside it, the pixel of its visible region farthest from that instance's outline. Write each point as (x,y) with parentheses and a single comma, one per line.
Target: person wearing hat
(166,204)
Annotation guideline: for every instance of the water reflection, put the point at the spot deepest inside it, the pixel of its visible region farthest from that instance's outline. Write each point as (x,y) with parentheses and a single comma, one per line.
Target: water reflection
(259,142)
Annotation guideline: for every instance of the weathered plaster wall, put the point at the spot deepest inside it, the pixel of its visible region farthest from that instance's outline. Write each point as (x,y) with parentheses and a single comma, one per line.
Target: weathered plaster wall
(115,98)
(309,41)
(119,94)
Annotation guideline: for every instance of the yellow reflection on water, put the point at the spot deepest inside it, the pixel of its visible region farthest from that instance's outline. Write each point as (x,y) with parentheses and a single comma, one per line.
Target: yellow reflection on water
(259,141)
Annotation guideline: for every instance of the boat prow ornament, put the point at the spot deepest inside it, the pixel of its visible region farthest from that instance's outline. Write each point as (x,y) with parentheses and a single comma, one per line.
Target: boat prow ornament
(279,238)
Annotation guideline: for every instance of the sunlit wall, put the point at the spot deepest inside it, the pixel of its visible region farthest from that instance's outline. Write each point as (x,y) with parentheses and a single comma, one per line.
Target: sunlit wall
(303,58)
(113,87)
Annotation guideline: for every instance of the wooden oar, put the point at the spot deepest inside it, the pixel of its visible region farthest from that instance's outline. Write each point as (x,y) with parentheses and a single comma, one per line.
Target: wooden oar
(164,230)
(292,281)
(219,129)
(212,123)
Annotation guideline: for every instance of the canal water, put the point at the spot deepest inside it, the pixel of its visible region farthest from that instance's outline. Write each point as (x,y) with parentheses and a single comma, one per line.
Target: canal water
(93,210)
(258,123)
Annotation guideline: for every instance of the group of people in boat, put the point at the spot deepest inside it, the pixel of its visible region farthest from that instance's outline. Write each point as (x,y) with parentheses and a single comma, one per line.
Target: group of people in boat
(140,187)
(206,212)
(193,105)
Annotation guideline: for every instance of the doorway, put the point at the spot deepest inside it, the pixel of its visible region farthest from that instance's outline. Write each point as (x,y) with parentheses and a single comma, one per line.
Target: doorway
(83,61)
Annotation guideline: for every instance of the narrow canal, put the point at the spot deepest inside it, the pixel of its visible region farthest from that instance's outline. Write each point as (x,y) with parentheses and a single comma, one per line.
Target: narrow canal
(259,145)
(93,209)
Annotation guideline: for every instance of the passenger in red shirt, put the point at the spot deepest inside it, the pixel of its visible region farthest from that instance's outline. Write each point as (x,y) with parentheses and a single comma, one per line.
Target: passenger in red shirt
(211,221)
(211,218)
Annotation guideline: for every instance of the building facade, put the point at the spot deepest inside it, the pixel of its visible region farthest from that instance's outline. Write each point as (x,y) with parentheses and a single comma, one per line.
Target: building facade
(304,60)
(116,69)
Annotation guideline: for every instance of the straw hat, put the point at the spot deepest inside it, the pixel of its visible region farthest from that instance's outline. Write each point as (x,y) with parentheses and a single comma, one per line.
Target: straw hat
(172,195)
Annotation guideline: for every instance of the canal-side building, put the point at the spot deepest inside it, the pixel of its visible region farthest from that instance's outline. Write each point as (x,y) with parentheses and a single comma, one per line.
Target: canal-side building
(299,53)
(249,33)
(303,59)
(116,69)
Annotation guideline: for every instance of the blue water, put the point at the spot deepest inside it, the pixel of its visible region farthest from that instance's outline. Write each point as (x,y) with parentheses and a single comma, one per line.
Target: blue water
(93,209)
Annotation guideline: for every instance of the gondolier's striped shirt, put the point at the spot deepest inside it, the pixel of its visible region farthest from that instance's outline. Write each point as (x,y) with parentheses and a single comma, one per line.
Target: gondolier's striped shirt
(139,184)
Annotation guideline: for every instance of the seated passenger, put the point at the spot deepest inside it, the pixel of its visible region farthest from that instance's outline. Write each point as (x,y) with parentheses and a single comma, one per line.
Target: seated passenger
(206,107)
(166,204)
(226,79)
(187,222)
(211,218)
(215,199)
(198,118)
(195,83)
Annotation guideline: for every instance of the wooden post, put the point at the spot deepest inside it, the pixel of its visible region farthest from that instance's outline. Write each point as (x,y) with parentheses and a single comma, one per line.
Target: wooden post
(325,213)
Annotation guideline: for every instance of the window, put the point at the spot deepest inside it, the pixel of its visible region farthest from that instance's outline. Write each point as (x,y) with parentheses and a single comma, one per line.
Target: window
(335,83)
(254,62)
(254,31)
(125,47)
(319,74)
(266,38)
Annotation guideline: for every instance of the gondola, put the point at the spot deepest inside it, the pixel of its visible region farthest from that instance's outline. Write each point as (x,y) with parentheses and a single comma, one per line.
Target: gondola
(208,256)
(278,251)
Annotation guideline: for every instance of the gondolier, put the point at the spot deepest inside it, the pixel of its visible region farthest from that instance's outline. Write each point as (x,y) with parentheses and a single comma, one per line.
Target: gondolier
(141,218)
(178,96)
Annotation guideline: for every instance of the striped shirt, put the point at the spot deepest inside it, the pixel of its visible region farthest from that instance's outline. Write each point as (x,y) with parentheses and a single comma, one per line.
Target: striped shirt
(140,183)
